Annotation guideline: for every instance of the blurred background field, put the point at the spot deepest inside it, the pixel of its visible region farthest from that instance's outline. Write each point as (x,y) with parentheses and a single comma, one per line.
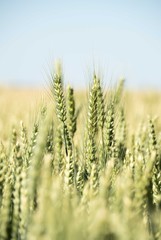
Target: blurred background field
(24,104)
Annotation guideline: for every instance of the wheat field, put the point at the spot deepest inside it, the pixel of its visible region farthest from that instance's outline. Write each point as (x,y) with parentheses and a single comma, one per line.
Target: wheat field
(80,164)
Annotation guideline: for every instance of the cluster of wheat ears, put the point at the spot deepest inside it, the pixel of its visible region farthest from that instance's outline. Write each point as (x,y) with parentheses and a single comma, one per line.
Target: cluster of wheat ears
(100,184)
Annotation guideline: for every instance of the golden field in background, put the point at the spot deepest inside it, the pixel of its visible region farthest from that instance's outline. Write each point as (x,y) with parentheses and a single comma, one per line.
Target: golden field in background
(18,104)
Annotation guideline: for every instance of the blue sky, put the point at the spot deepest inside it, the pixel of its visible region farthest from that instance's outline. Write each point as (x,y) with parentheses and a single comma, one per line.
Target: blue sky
(120,38)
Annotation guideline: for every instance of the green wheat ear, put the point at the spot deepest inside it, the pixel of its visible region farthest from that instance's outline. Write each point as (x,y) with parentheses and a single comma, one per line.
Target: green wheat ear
(157,166)
(50,138)
(119,90)
(94,182)
(80,179)
(58,161)
(16,192)
(92,127)
(109,130)
(101,117)
(57,87)
(71,114)
(100,102)
(92,111)
(58,91)
(69,172)
(5,210)
(3,167)
(36,161)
